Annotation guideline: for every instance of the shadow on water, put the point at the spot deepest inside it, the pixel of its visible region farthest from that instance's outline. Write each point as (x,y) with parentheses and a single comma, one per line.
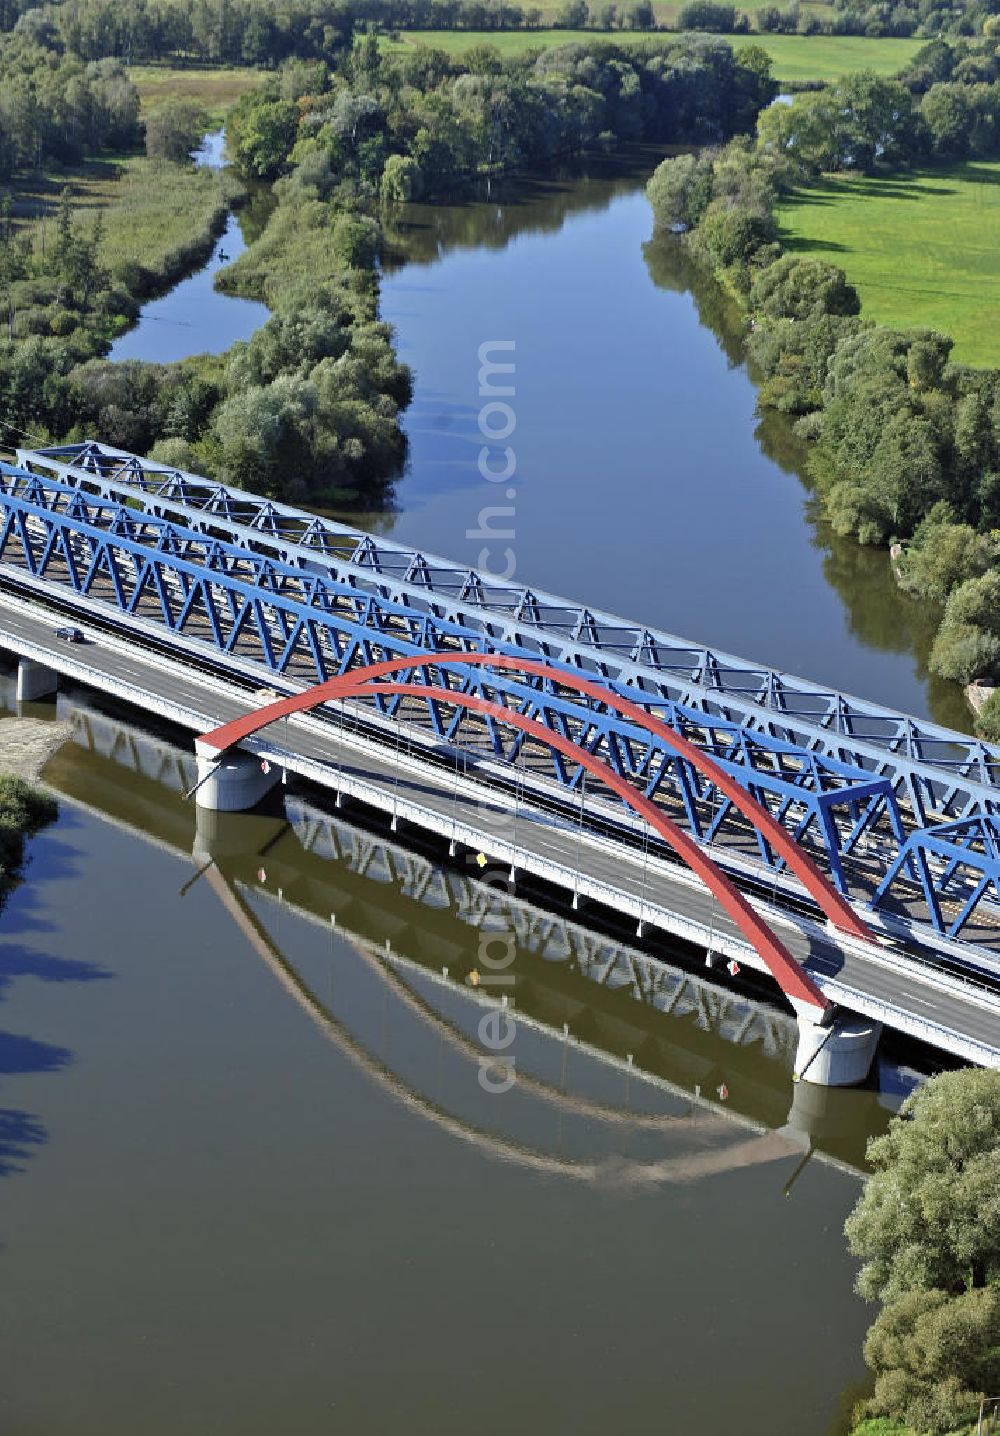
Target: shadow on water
(21,1133)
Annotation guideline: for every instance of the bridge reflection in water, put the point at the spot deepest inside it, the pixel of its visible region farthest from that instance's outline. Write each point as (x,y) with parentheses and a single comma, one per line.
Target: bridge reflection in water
(630,1068)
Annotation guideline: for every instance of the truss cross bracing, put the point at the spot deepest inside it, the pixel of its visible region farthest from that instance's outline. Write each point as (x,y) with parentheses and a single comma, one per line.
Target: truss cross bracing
(310,598)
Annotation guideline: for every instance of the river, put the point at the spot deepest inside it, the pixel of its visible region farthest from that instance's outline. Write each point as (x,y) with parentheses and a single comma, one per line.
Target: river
(646,483)
(194,317)
(249,1181)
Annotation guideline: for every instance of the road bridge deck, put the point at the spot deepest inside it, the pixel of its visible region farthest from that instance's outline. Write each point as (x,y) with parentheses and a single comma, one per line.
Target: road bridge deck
(959,1017)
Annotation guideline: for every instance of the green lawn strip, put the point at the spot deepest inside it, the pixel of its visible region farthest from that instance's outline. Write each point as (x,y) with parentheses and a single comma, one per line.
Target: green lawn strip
(921,249)
(216,90)
(798,59)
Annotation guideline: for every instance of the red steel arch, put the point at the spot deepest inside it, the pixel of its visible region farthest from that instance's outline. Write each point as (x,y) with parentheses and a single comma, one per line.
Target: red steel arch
(796,984)
(834,904)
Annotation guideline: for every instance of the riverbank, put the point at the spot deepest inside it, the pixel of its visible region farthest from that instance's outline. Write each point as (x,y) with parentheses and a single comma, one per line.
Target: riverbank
(26,745)
(904,450)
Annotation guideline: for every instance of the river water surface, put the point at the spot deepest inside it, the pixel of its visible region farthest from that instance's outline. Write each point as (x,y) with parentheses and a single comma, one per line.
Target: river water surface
(249,1181)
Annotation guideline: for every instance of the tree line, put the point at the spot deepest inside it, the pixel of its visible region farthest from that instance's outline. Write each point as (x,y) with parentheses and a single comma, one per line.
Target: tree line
(57,107)
(905,443)
(396,127)
(926,1227)
(922,18)
(251,32)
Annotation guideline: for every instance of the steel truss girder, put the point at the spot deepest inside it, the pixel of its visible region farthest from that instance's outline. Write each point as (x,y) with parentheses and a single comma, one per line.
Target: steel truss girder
(936,771)
(969,848)
(183,576)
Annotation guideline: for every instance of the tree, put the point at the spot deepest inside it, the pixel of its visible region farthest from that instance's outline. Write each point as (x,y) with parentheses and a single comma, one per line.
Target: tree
(926,357)
(357,240)
(977,601)
(732,235)
(929,1217)
(962,652)
(263,132)
(572,15)
(175,129)
(794,288)
(401,179)
(949,116)
(944,555)
(639,16)
(988,718)
(935,1356)
(602,17)
(707,15)
(680,190)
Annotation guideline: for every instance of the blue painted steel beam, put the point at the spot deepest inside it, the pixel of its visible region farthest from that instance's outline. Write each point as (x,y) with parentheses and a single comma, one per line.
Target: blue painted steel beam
(285,612)
(936,771)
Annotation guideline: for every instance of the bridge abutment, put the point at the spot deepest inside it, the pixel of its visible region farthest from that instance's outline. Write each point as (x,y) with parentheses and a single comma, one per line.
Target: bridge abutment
(232,782)
(35,681)
(838,1053)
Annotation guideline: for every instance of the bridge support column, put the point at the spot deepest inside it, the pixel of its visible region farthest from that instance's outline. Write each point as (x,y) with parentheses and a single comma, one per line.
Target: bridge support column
(34,680)
(232,783)
(838,1053)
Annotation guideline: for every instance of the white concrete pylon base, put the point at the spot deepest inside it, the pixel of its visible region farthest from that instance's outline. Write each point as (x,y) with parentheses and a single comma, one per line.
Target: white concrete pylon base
(34,680)
(233,783)
(838,1053)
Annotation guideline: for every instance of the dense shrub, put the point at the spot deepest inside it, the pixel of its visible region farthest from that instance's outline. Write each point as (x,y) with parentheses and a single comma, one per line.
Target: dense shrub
(23,810)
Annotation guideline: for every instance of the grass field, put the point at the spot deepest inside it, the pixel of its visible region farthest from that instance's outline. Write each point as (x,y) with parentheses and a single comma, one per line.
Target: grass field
(921,249)
(797,58)
(217,90)
(157,218)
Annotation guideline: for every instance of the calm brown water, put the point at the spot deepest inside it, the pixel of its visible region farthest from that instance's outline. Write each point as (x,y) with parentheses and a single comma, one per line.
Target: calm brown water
(249,1181)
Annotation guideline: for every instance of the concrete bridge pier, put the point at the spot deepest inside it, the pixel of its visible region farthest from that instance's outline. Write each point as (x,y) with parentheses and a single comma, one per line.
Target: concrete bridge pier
(838,1053)
(35,681)
(232,782)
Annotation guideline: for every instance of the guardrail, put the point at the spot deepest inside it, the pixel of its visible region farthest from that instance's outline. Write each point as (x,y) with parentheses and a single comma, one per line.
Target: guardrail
(542,812)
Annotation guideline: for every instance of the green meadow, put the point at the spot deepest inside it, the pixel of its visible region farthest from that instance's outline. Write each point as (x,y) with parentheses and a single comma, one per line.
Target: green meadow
(920,248)
(798,59)
(216,90)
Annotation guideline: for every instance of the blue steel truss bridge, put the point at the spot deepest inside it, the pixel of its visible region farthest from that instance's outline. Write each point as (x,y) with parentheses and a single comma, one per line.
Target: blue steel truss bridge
(204,584)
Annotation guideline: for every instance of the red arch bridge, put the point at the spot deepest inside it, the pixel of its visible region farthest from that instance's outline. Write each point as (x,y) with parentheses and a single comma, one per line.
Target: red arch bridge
(844,1049)
(822,806)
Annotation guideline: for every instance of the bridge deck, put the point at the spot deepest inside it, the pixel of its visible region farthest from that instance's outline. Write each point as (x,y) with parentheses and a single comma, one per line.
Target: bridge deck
(883,983)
